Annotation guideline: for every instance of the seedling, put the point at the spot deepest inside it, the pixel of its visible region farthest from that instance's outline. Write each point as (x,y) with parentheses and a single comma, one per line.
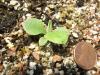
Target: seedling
(35,26)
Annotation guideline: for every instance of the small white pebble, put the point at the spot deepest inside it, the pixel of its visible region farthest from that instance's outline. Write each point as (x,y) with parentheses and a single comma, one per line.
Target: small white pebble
(93,72)
(46,9)
(47,54)
(68,60)
(28,15)
(39,9)
(56,70)
(2,0)
(88,73)
(13,2)
(3,49)
(42,53)
(96,38)
(51,6)
(8,39)
(75,34)
(49,71)
(25,9)
(61,72)
(5,63)
(23,18)
(25,57)
(50,58)
(43,17)
(58,65)
(26,5)
(73,26)
(57,15)
(32,46)
(32,65)
(98,64)
(36,48)
(1,35)
(17,6)
(93,32)
(31,72)
(20,32)
(10,45)
(89,41)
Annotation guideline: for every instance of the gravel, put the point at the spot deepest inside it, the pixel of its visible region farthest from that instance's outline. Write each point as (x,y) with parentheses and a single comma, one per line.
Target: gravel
(16,47)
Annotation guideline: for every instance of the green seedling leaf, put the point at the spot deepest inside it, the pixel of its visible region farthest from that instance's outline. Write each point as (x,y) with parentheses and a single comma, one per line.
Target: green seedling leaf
(49,27)
(42,41)
(34,26)
(58,36)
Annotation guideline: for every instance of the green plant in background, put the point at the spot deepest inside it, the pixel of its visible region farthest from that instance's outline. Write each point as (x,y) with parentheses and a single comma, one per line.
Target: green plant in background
(35,26)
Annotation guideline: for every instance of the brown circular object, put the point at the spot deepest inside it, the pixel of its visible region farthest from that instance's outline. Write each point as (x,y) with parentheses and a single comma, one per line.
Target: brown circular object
(85,55)
(97,74)
(98,54)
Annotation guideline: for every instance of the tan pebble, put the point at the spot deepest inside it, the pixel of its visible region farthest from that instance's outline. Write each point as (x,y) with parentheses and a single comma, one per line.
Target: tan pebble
(36,55)
(1,35)
(10,72)
(20,66)
(13,2)
(98,22)
(12,49)
(56,58)
(51,6)
(10,53)
(58,65)
(96,38)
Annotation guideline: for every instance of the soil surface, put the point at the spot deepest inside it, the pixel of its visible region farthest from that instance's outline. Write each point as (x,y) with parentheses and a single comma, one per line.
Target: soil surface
(20,53)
